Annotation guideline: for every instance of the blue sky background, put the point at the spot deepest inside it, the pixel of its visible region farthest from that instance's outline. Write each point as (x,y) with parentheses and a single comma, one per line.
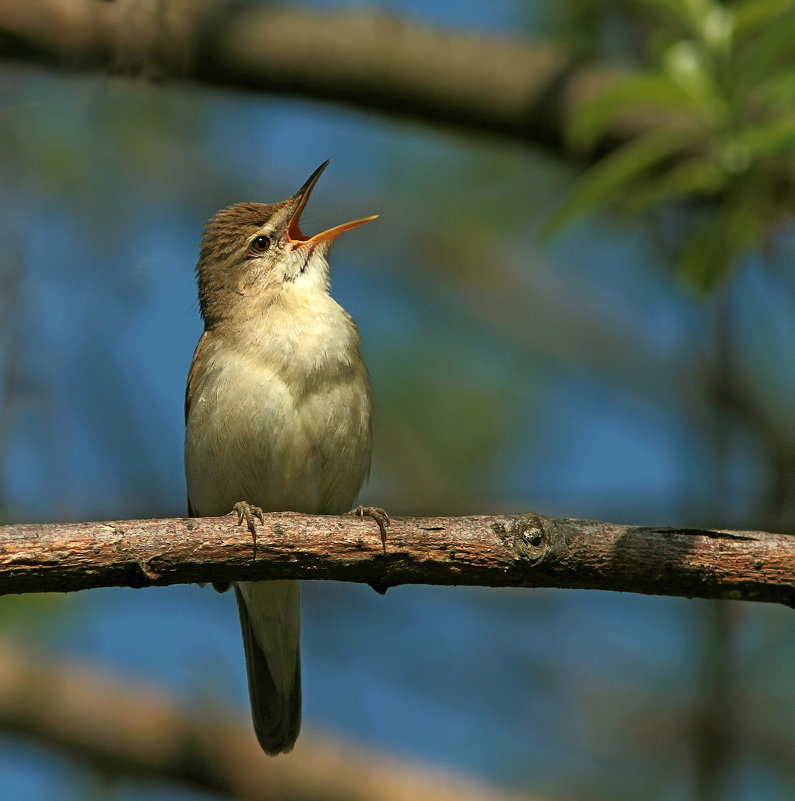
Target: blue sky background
(508,374)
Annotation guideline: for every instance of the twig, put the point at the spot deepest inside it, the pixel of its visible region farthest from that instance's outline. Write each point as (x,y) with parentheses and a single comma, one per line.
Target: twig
(509,87)
(138,731)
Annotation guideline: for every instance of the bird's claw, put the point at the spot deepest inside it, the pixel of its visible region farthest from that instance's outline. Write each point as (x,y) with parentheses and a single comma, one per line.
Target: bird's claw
(246,511)
(378,514)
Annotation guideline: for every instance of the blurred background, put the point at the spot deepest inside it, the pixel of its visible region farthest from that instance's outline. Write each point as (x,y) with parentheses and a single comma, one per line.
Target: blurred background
(591,330)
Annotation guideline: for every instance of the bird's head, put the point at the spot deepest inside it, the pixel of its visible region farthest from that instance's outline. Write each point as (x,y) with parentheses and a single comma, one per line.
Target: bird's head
(253,251)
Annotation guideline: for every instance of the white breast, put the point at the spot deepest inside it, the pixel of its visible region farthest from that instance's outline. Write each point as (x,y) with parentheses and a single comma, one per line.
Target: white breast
(284,422)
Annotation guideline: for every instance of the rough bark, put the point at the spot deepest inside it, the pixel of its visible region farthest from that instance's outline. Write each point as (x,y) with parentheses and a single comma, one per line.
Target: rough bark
(127,729)
(489,550)
(510,87)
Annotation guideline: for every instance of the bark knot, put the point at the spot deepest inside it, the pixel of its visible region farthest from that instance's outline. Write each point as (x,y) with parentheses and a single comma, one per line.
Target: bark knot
(525,535)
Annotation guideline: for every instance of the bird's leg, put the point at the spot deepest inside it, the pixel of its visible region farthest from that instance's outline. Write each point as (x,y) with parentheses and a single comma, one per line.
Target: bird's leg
(245,511)
(378,514)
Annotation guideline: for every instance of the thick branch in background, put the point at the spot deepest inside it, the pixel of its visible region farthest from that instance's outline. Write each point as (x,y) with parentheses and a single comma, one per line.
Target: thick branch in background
(489,550)
(515,88)
(141,732)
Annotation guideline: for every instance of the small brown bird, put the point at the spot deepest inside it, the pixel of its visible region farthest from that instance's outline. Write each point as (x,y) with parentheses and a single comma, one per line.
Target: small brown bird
(278,416)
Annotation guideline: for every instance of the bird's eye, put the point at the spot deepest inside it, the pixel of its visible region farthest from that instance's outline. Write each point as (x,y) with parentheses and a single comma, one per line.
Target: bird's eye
(260,244)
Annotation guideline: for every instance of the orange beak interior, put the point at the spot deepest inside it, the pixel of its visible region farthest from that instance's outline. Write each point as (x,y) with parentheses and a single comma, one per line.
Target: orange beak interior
(294,233)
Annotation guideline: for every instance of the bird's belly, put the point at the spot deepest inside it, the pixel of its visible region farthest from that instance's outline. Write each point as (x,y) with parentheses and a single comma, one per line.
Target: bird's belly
(259,440)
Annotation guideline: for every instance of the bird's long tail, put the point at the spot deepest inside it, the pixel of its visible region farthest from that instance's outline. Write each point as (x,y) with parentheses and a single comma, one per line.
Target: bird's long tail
(270,617)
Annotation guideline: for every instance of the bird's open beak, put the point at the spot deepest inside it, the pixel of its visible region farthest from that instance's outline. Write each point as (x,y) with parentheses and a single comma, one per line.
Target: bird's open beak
(294,234)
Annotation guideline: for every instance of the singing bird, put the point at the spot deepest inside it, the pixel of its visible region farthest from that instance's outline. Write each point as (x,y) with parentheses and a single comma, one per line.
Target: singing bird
(278,416)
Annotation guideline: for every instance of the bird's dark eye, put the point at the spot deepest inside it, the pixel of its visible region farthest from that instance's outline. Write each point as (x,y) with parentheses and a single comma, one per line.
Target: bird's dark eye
(260,244)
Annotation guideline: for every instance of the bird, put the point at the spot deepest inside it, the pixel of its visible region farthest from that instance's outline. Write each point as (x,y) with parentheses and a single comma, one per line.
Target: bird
(278,416)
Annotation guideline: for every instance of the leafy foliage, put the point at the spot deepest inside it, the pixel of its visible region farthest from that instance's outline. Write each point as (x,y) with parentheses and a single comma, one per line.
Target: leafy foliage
(724,91)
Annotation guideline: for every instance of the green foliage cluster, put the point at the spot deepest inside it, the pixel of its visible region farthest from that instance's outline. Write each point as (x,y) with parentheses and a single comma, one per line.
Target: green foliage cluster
(724,85)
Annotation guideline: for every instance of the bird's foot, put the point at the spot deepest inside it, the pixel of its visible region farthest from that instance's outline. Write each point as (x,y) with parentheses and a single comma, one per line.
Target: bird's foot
(246,511)
(378,514)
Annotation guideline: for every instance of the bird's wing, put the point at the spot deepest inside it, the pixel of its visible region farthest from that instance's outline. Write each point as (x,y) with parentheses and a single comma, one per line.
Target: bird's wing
(199,356)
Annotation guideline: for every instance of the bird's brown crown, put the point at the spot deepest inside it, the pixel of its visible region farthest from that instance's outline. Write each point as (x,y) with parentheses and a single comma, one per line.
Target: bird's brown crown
(222,258)
(231,226)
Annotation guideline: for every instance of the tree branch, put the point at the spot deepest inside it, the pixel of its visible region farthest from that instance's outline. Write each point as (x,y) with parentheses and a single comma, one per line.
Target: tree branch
(128,729)
(509,87)
(489,550)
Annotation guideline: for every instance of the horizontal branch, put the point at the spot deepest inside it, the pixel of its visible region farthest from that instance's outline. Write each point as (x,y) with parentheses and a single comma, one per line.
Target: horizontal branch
(488,550)
(509,87)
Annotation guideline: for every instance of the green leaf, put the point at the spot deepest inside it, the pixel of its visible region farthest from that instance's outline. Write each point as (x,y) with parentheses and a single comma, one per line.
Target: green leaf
(776,92)
(691,66)
(769,139)
(615,173)
(658,92)
(753,16)
(687,15)
(691,177)
(709,253)
(765,55)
